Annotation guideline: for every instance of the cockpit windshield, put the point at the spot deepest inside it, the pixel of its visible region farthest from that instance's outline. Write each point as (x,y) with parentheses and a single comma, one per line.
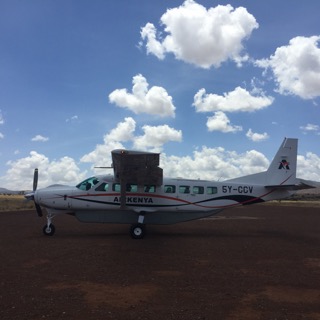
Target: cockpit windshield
(88,183)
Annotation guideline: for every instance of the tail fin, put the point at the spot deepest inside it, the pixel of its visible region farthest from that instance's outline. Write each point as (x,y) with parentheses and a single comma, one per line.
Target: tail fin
(283,168)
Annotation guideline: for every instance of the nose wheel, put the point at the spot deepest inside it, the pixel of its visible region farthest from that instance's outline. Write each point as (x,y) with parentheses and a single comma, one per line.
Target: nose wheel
(49,230)
(137,231)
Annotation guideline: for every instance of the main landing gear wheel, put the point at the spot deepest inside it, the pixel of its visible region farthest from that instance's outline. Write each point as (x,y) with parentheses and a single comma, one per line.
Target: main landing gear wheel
(49,231)
(137,231)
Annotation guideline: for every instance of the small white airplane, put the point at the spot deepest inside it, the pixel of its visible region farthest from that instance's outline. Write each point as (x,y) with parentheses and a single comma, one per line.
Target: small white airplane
(137,193)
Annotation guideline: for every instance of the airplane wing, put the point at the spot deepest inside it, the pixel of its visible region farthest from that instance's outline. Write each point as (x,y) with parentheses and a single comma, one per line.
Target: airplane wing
(137,167)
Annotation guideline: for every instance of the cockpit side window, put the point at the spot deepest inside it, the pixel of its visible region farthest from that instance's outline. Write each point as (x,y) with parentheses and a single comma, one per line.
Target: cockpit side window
(87,184)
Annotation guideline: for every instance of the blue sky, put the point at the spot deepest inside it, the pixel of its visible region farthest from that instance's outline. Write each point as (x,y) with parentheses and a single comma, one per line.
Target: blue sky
(213,86)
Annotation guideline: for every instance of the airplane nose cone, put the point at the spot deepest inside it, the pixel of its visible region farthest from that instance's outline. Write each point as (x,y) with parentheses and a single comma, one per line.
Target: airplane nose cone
(29,196)
(36,197)
(33,196)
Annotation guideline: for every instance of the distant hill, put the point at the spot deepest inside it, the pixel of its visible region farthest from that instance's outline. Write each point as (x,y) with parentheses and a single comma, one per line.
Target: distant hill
(8,192)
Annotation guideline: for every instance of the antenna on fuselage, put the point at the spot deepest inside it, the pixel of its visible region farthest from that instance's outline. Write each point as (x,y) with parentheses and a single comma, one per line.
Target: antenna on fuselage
(103,167)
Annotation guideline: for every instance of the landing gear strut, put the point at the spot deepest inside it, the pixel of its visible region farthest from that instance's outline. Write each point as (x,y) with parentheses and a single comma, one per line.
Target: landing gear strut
(49,229)
(138,231)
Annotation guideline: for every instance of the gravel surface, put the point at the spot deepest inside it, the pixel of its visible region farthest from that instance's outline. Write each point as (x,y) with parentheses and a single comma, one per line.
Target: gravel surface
(255,262)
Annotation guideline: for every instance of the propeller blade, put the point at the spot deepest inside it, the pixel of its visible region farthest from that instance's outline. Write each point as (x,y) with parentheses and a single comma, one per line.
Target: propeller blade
(35,179)
(39,210)
(30,196)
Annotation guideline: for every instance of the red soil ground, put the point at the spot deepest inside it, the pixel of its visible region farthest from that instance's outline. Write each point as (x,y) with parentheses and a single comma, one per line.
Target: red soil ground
(257,262)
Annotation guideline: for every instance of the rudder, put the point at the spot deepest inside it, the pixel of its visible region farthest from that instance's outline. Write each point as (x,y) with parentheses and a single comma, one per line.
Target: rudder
(283,168)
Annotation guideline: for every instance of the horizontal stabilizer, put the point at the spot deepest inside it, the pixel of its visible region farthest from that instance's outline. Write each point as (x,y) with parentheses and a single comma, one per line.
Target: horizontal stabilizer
(307,184)
(300,185)
(283,186)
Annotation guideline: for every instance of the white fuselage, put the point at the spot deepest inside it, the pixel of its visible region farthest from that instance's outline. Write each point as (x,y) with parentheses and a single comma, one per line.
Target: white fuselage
(103,193)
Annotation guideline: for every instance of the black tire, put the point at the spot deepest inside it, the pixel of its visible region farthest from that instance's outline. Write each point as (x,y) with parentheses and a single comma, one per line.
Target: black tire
(137,231)
(49,231)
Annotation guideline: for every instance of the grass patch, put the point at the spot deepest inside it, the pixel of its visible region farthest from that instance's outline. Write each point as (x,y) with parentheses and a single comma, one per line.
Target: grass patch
(15,203)
(294,203)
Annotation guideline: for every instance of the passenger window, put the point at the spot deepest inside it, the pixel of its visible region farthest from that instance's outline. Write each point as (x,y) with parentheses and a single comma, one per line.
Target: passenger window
(131,187)
(184,189)
(198,190)
(150,189)
(212,190)
(103,187)
(169,189)
(116,187)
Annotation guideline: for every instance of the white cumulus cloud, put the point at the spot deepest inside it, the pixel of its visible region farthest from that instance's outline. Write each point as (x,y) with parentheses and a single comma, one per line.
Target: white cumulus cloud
(214,164)
(153,139)
(308,167)
(39,138)
(220,164)
(310,128)
(257,137)
(203,37)
(154,101)
(296,67)
(62,171)
(74,118)
(205,163)
(155,47)
(220,122)
(234,101)
(123,132)
(1,122)
(1,118)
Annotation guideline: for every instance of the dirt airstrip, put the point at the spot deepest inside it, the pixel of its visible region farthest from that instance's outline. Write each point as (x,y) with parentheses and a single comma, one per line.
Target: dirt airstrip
(255,262)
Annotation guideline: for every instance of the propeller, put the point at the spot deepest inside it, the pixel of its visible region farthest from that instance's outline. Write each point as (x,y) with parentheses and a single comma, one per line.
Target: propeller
(30,196)
(39,210)
(35,184)
(35,179)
